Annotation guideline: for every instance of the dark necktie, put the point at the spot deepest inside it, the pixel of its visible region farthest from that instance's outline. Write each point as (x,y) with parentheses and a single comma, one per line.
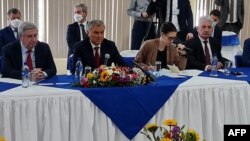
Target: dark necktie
(171,11)
(16,33)
(231,11)
(207,55)
(84,35)
(29,60)
(97,57)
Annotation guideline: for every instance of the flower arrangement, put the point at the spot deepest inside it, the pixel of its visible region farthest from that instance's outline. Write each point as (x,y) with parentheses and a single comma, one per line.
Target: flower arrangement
(154,132)
(113,77)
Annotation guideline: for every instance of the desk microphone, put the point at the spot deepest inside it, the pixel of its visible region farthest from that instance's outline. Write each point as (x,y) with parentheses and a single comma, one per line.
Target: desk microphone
(149,77)
(188,50)
(107,56)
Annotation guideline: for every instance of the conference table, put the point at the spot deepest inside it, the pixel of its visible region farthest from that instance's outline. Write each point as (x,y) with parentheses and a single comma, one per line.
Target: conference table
(52,111)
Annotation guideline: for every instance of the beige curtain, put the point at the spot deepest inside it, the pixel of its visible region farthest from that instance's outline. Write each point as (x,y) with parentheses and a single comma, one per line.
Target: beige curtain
(53,16)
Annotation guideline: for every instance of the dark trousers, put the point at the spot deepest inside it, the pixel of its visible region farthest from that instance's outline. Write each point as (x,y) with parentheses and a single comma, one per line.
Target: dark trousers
(234,27)
(139,31)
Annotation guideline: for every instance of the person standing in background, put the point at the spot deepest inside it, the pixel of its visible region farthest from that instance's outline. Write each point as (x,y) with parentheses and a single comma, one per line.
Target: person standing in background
(232,14)
(10,34)
(143,28)
(178,12)
(77,31)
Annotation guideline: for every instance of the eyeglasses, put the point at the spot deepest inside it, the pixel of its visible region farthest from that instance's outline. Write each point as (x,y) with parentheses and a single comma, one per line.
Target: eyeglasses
(169,37)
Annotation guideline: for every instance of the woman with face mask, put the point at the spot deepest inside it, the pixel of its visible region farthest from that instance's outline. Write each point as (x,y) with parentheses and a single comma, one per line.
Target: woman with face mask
(77,30)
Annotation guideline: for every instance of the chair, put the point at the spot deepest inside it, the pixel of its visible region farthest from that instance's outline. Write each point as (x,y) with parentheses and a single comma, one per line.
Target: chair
(129,56)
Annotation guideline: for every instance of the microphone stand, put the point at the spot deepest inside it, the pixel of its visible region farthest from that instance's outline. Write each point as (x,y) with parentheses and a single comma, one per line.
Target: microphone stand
(149,77)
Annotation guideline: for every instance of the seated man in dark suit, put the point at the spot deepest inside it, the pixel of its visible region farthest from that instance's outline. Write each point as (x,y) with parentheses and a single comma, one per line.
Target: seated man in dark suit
(94,48)
(9,33)
(29,50)
(246,53)
(204,47)
(217,32)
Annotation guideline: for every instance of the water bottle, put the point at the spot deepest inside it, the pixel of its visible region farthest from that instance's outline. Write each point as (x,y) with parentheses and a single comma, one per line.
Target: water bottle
(25,76)
(214,66)
(78,70)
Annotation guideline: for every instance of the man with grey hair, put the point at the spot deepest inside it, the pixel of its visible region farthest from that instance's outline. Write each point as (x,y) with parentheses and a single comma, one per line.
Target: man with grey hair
(204,47)
(77,30)
(95,49)
(28,50)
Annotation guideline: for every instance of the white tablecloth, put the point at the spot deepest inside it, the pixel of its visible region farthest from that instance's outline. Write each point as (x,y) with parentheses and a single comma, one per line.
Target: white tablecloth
(40,113)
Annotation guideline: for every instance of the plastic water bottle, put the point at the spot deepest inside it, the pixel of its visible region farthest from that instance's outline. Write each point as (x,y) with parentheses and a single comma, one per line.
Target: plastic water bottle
(25,76)
(78,70)
(214,66)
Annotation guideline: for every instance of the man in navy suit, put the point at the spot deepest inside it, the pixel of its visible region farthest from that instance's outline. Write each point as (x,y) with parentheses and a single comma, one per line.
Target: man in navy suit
(246,53)
(28,50)
(95,47)
(178,12)
(204,47)
(9,33)
(77,30)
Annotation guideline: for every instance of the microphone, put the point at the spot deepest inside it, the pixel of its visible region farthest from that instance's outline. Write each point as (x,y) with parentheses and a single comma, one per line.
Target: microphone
(188,50)
(107,56)
(149,77)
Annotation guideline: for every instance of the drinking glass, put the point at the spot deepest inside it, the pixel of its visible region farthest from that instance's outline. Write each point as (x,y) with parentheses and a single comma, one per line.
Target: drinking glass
(227,68)
(158,65)
(87,70)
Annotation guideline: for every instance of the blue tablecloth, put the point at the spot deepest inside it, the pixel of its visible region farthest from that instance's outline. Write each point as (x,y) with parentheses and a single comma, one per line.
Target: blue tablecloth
(232,40)
(6,86)
(244,77)
(129,108)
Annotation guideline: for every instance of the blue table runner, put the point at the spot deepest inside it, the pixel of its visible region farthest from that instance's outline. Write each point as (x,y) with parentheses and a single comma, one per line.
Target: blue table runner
(6,86)
(129,108)
(244,77)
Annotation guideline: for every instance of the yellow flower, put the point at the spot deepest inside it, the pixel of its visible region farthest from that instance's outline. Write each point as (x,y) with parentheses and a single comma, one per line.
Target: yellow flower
(148,126)
(104,76)
(192,131)
(90,75)
(166,139)
(2,138)
(170,122)
(151,127)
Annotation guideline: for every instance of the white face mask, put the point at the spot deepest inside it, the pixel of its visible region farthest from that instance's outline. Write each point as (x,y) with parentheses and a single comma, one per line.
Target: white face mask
(78,17)
(15,23)
(214,24)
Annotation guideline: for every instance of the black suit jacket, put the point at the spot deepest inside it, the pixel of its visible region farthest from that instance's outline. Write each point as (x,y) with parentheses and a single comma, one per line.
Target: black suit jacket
(73,36)
(12,60)
(197,59)
(85,51)
(6,36)
(185,17)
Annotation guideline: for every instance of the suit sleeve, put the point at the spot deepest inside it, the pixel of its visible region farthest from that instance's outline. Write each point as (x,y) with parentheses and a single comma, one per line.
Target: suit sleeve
(117,57)
(9,69)
(71,38)
(246,53)
(50,67)
(192,62)
(1,43)
(189,15)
